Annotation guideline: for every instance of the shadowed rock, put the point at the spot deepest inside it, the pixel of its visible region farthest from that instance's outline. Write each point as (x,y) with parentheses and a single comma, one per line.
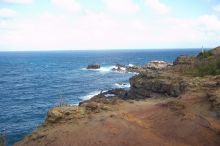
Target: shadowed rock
(146,84)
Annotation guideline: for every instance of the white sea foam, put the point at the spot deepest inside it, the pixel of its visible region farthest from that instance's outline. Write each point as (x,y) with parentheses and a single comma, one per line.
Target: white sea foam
(122,85)
(123,68)
(130,65)
(104,69)
(90,95)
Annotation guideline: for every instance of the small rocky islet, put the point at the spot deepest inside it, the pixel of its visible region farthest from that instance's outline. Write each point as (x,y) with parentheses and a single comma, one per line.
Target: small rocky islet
(167,104)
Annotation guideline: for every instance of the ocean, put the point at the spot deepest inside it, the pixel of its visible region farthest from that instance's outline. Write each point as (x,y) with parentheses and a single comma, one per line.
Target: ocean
(33,82)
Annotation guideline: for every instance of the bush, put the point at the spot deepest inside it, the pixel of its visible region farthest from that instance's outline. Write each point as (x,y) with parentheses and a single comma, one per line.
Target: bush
(208,68)
(205,54)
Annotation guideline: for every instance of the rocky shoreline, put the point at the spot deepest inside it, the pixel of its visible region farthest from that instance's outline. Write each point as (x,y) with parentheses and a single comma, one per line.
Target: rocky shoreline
(167,104)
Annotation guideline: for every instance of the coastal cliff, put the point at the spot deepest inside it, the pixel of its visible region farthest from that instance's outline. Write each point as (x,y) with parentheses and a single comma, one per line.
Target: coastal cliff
(175,105)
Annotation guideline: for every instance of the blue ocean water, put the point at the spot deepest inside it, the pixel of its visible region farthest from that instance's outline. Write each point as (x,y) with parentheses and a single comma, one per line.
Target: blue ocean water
(33,82)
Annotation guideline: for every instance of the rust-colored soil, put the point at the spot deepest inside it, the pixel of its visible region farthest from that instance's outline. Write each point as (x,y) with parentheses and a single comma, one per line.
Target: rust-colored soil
(169,122)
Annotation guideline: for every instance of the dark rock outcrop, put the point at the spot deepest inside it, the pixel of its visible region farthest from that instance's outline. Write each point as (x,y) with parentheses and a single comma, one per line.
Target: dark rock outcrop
(93,66)
(109,97)
(149,83)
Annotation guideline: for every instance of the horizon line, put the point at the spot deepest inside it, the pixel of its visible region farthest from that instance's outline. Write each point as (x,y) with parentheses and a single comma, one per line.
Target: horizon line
(59,50)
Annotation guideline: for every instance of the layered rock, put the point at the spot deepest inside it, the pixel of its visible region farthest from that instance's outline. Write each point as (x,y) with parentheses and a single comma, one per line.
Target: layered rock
(147,84)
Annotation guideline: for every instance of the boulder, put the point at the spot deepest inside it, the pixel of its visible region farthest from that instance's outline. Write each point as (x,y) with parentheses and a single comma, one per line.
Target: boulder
(184,60)
(58,114)
(93,66)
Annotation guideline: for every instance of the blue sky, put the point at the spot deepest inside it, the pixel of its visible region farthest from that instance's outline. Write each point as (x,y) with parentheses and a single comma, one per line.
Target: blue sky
(108,24)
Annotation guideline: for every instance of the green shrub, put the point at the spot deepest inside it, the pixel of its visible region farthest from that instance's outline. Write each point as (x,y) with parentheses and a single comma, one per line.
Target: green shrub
(205,54)
(208,68)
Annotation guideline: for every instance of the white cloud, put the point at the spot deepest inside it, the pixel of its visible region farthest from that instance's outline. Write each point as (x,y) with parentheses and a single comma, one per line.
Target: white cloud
(18,1)
(6,12)
(102,30)
(93,30)
(216,8)
(209,23)
(157,6)
(121,6)
(69,5)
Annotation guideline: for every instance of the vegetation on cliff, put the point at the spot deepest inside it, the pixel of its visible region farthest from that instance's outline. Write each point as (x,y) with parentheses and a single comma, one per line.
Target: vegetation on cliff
(208,63)
(211,67)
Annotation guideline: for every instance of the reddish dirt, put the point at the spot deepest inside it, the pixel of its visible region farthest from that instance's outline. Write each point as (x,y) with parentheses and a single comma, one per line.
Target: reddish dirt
(172,122)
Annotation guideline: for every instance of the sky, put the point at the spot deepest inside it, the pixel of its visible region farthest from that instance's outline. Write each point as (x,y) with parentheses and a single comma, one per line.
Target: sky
(27,25)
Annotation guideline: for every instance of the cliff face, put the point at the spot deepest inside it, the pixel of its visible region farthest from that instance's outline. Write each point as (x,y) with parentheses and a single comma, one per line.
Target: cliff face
(169,106)
(149,83)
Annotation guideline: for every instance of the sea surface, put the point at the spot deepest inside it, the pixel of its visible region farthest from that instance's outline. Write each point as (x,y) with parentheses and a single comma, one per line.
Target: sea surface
(33,82)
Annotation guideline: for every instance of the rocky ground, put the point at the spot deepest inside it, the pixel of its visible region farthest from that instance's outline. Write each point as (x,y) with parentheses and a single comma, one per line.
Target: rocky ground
(164,107)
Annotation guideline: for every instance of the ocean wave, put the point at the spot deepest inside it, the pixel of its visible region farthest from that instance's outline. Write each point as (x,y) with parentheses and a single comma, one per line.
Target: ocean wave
(122,85)
(130,65)
(107,68)
(104,69)
(90,95)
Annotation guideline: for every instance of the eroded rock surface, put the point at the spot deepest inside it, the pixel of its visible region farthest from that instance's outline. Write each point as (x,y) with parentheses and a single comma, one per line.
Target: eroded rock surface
(147,84)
